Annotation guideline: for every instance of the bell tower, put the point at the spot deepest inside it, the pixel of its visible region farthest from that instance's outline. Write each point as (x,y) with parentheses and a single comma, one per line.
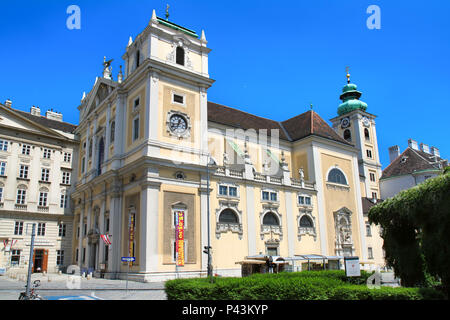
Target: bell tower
(357,126)
(173,61)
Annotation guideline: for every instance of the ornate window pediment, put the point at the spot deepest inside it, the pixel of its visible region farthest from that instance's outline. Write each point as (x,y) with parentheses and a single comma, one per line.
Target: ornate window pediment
(228,218)
(306,224)
(270,220)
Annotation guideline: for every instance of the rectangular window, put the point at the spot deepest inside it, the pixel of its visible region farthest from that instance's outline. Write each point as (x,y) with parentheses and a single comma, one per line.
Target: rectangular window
(374,195)
(308,201)
(45,174)
(2,168)
(65,177)
(18,228)
(272,251)
(232,191)
(3,145)
(41,229)
(368,230)
(135,128)
(85,230)
(26,149)
(46,153)
(273,196)
(178,98)
(43,199)
(21,195)
(370,253)
(136,103)
(265,195)
(63,203)
(59,257)
(15,257)
(82,164)
(223,190)
(84,255)
(369,154)
(78,232)
(76,255)
(372,177)
(1,194)
(23,172)
(67,157)
(107,225)
(301,199)
(62,230)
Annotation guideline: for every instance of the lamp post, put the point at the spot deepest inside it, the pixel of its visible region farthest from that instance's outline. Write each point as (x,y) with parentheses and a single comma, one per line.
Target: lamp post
(208,247)
(30,261)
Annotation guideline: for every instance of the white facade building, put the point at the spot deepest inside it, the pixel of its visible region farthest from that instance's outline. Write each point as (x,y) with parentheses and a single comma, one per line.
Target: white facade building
(414,165)
(36,177)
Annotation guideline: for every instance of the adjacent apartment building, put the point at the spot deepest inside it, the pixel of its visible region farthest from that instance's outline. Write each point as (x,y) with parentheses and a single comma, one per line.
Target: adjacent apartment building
(414,165)
(36,168)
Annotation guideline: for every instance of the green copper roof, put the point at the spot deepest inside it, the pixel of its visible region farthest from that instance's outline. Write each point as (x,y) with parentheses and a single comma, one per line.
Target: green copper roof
(177,27)
(350,98)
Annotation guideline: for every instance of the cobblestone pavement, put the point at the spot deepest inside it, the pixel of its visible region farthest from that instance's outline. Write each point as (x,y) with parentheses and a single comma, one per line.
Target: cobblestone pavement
(60,285)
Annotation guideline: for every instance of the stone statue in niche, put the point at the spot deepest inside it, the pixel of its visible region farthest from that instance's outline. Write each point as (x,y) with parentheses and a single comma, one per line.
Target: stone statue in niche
(301,174)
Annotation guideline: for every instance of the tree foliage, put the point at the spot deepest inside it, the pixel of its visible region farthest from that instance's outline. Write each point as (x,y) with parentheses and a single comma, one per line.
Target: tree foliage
(416,231)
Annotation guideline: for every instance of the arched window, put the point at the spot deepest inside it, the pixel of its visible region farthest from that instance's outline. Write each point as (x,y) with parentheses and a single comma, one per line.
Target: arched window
(336,176)
(112,131)
(347,135)
(228,216)
(138,58)
(305,222)
(366,134)
(270,219)
(180,56)
(101,154)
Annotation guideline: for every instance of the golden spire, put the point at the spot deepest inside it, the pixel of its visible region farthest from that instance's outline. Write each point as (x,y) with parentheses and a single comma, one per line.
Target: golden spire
(348,74)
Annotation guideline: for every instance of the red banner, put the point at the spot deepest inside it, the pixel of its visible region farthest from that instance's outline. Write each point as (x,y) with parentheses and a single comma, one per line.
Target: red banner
(180,237)
(131,240)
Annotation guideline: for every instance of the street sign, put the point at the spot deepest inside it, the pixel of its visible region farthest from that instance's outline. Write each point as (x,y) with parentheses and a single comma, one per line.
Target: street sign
(128,259)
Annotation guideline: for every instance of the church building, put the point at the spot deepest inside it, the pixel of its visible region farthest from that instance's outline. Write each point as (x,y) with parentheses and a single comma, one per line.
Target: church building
(150,144)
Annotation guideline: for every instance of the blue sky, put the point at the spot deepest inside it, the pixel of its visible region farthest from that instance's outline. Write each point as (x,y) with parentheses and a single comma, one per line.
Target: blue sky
(269,58)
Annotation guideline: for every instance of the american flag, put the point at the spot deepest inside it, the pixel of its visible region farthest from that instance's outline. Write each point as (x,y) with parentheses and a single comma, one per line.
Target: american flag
(105,238)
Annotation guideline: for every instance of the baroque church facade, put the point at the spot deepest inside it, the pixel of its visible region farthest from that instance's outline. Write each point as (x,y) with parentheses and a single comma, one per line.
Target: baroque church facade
(151,143)
(150,146)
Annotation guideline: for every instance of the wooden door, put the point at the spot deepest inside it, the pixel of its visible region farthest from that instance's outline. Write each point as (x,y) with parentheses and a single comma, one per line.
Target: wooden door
(45,261)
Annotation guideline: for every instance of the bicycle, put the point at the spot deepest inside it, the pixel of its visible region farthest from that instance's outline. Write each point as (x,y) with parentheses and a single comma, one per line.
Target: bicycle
(33,294)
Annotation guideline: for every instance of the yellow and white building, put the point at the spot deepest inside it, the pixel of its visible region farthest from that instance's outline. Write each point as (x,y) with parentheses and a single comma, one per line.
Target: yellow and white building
(279,188)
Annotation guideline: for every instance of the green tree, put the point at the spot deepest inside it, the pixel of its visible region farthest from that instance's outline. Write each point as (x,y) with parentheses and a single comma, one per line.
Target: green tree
(416,231)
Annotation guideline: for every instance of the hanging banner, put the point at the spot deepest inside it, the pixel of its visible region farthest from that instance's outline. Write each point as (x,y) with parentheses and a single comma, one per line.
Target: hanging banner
(131,240)
(179,216)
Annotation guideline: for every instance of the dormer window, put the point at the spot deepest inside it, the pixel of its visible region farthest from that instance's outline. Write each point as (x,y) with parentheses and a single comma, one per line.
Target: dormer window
(180,56)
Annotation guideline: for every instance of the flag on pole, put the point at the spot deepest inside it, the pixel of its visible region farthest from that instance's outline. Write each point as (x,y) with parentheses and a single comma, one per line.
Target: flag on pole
(105,238)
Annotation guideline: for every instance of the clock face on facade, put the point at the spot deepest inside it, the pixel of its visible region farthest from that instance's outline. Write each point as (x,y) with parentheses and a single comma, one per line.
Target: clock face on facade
(345,123)
(178,124)
(366,121)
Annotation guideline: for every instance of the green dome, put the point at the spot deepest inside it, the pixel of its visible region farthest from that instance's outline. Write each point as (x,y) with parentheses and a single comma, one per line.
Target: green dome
(350,105)
(350,98)
(349,87)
